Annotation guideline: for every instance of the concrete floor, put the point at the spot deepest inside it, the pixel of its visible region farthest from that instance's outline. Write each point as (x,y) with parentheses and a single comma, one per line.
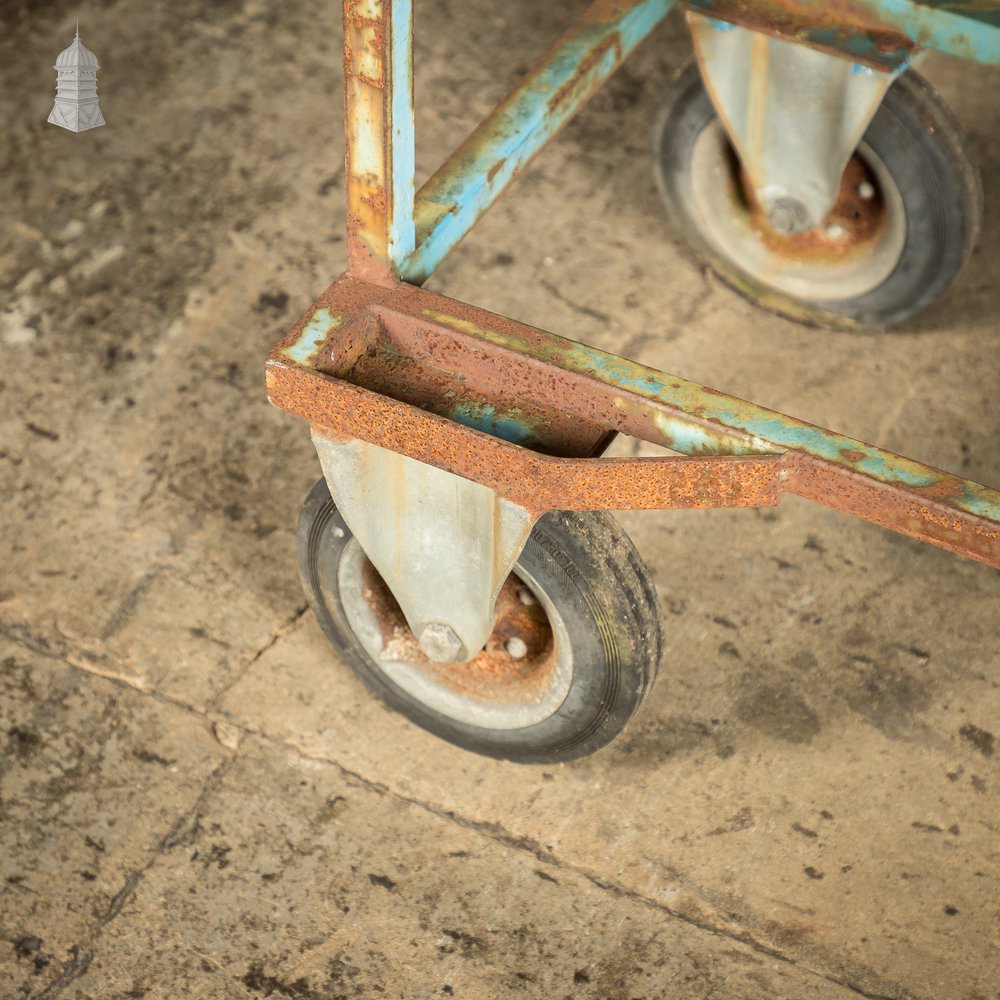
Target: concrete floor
(199,800)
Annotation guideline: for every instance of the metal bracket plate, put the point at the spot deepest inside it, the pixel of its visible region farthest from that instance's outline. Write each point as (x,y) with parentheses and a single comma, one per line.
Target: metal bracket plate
(443,544)
(794,114)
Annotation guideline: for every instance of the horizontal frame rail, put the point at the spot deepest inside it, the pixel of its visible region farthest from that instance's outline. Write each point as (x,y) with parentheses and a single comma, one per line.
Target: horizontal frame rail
(881,33)
(323,372)
(338,410)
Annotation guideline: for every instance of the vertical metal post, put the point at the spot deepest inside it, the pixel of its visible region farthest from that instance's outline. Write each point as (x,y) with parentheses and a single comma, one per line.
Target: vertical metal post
(444,545)
(378,110)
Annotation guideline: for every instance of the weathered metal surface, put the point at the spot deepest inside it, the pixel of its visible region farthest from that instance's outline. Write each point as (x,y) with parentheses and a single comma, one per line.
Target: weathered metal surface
(425,376)
(881,33)
(443,544)
(493,676)
(378,133)
(795,116)
(560,84)
(856,221)
(538,483)
(480,350)
(355,344)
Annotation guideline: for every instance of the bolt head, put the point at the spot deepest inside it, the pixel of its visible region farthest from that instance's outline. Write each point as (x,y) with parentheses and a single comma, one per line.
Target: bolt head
(788,215)
(516,647)
(441,643)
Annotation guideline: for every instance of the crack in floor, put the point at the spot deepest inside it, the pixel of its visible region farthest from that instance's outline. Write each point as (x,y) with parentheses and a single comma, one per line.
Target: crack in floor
(499,834)
(82,953)
(289,625)
(492,830)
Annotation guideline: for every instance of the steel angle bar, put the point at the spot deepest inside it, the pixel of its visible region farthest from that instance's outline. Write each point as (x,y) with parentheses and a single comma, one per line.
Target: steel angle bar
(482,167)
(350,364)
(881,33)
(340,411)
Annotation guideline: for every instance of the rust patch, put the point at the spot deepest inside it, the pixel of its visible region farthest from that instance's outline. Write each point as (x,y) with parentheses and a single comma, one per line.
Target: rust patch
(582,79)
(495,169)
(377,200)
(536,482)
(843,27)
(493,675)
(908,511)
(852,226)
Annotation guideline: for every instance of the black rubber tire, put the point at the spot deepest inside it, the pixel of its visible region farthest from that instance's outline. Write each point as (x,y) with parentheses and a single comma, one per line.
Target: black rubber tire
(591,572)
(919,142)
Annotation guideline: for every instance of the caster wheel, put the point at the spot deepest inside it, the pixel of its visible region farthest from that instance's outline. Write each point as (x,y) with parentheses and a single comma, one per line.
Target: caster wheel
(905,221)
(574,650)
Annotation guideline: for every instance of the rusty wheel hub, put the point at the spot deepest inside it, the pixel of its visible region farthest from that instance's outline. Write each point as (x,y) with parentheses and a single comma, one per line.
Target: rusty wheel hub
(852,252)
(518,679)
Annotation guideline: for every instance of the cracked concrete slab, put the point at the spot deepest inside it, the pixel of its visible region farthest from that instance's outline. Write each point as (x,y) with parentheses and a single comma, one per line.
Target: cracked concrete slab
(348,891)
(841,809)
(815,772)
(94,779)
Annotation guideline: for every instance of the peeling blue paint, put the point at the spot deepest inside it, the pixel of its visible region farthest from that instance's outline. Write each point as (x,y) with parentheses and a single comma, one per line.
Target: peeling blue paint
(315,332)
(483,417)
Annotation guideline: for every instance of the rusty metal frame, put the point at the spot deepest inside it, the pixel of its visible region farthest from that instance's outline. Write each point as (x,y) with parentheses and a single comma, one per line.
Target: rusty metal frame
(524,412)
(527,413)
(883,34)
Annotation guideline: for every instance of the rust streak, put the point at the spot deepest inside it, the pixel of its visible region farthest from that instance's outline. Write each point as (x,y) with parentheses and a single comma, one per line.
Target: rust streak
(582,77)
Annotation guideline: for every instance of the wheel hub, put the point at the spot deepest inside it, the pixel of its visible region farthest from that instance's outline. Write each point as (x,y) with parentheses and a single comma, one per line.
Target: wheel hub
(519,678)
(853,250)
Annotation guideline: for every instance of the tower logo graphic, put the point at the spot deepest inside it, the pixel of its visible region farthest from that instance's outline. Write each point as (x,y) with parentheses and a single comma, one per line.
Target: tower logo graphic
(76,106)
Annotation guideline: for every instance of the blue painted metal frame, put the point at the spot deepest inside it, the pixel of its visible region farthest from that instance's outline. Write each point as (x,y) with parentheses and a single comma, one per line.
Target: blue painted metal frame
(379,135)
(884,33)
(969,29)
(393,234)
(477,173)
(424,227)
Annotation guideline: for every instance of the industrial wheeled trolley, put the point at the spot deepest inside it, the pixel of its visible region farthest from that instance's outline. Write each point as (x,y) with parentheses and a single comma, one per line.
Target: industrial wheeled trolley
(458,552)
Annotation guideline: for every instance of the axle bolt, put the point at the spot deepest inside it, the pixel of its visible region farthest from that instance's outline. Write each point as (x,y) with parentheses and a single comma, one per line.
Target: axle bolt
(441,643)
(788,215)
